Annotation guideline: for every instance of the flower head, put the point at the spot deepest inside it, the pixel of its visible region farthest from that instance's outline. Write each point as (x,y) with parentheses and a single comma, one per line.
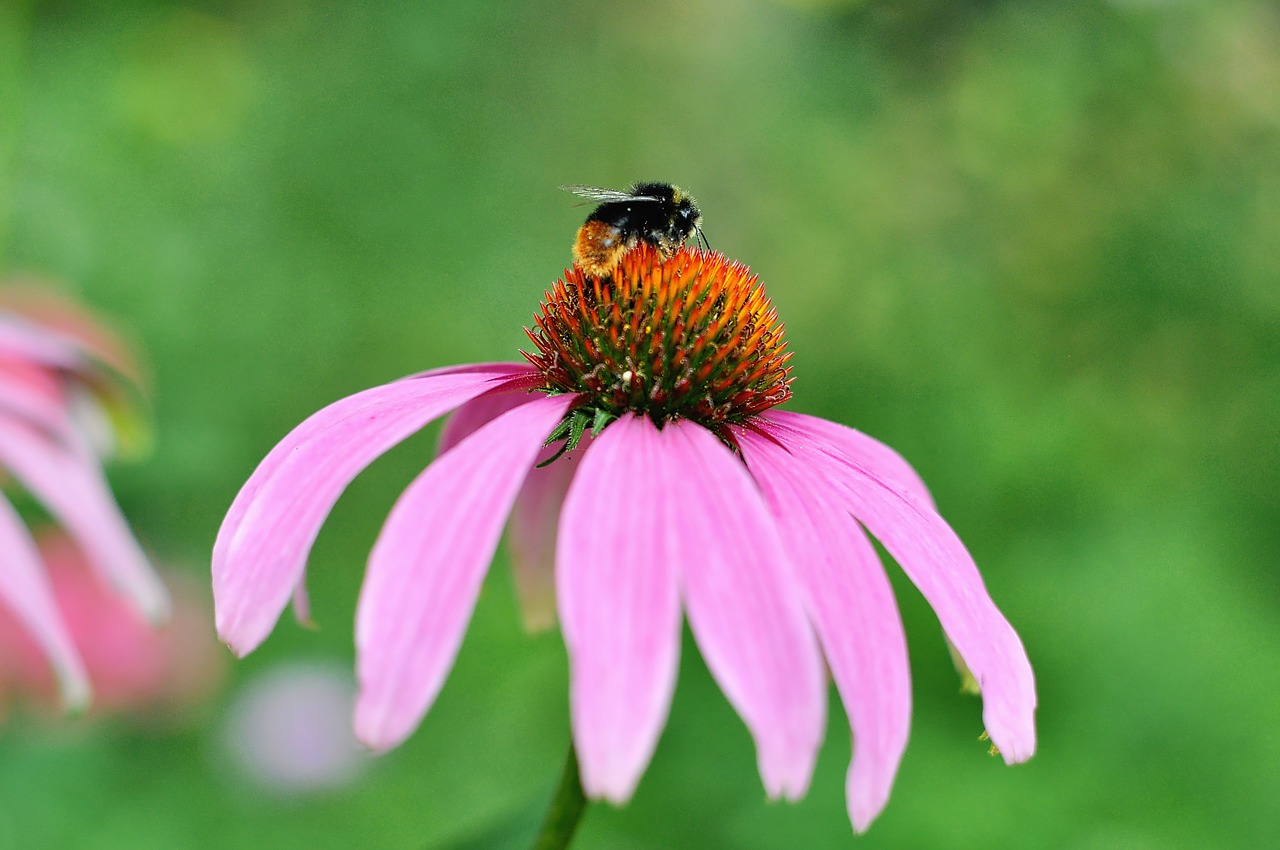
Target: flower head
(693,338)
(63,379)
(691,496)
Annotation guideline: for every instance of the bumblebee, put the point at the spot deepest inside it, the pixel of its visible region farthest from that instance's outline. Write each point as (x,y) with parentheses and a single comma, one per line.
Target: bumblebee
(659,214)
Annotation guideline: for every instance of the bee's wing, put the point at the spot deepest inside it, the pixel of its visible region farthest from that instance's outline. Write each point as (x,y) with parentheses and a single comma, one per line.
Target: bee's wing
(605,196)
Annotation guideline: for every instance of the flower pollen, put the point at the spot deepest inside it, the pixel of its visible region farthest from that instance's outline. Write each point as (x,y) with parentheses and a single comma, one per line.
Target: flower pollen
(693,336)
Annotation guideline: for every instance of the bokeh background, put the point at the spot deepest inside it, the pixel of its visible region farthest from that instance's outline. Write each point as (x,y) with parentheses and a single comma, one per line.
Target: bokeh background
(1031,245)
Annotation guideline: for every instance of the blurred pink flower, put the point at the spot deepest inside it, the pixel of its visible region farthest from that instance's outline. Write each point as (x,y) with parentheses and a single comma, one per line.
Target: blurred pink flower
(289,730)
(64,382)
(132,667)
(691,494)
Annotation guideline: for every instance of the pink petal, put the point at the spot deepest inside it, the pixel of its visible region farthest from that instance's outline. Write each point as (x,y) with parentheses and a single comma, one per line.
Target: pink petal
(68,325)
(867,451)
(261,551)
(403,391)
(531,534)
(70,484)
(475,413)
(22,340)
(883,462)
(21,399)
(933,557)
(466,419)
(26,591)
(744,604)
(619,605)
(426,569)
(520,374)
(301,603)
(854,612)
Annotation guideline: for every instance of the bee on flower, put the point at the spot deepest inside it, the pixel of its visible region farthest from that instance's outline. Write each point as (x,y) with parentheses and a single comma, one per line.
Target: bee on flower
(646,476)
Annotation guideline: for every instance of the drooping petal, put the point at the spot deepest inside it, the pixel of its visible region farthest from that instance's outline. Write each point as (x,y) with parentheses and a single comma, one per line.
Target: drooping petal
(872,454)
(68,326)
(851,604)
(935,560)
(26,591)
(619,605)
(68,481)
(532,532)
(426,568)
(460,424)
(520,374)
(889,466)
(743,604)
(22,340)
(475,413)
(33,404)
(301,603)
(261,550)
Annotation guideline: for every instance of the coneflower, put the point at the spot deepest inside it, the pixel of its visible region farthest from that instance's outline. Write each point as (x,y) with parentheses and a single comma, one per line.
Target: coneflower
(647,474)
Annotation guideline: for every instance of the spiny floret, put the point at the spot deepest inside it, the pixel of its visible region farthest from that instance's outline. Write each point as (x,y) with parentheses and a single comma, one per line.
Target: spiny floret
(694,336)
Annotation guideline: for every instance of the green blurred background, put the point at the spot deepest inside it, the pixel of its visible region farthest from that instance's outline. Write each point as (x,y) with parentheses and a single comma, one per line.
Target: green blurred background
(1031,245)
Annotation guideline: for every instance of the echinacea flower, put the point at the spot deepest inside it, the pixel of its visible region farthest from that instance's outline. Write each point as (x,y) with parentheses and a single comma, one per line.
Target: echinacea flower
(288,730)
(690,493)
(152,675)
(61,377)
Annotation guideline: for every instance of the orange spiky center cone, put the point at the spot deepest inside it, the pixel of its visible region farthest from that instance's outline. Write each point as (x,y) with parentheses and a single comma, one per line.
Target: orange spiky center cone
(693,336)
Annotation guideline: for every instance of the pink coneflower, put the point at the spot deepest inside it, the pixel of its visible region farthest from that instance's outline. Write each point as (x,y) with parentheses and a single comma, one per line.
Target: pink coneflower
(134,669)
(288,731)
(61,382)
(690,493)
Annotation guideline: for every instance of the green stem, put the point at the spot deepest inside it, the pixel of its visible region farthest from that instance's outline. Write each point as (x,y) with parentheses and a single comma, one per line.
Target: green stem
(567,808)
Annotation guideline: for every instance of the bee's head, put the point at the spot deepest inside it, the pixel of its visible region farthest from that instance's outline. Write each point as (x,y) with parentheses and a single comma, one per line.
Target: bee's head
(687,219)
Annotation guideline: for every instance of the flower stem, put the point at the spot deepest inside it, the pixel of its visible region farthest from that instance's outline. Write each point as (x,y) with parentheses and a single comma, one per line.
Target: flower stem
(566,810)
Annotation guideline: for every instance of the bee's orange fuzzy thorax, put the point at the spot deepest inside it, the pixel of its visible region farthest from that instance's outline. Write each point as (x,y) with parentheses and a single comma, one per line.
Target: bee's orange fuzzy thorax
(598,248)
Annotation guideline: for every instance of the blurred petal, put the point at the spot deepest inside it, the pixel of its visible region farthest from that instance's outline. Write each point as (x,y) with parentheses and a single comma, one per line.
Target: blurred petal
(867,451)
(743,605)
(851,604)
(288,730)
(83,364)
(426,569)
(301,601)
(261,551)
(531,534)
(70,484)
(933,557)
(968,682)
(96,343)
(152,674)
(22,340)
(619,605)
(26,591)
(48,412)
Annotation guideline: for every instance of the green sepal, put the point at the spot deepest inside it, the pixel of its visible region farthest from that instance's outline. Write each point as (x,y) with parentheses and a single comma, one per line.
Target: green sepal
(573,427)
(603,418)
